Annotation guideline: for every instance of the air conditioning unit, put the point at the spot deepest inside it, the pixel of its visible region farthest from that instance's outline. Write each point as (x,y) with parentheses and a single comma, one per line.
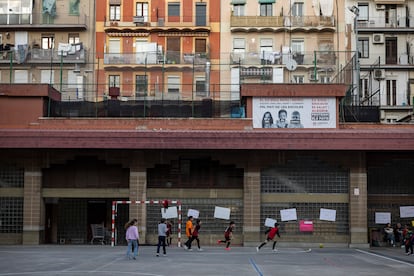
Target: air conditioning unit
(378,38)
(161,22)
(380,7)
(379,74)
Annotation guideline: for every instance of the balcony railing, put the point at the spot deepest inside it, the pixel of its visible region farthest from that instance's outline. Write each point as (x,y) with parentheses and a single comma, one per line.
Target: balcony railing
(279,58)
(59,19)
(281,21)
(382,22)
(24,55)
(162,21)
(151,58)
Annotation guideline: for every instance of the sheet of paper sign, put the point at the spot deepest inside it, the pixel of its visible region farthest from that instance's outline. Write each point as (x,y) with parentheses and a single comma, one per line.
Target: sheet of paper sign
(382,217)
(269,222)
(288,214)
(193,213)
(327,214)
(406,211)
(171,212)
(221,213)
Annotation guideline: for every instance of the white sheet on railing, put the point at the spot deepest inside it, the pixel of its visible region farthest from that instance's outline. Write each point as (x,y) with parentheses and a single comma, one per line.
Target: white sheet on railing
(326,7)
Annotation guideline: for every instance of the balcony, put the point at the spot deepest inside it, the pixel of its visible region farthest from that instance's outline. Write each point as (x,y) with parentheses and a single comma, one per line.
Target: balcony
(283,22)
(39,21)
(156,58)
(305,59)
(162,22)
(24,55)
(380,23)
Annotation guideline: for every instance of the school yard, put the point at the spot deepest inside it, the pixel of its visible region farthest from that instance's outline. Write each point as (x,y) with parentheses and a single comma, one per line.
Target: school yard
(103,260)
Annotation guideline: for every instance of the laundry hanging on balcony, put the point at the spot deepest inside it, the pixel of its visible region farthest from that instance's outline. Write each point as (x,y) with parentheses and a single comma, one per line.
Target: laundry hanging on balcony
(49,6)
(326,7)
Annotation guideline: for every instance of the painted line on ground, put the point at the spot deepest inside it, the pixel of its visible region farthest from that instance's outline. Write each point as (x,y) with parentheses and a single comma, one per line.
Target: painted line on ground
(252,262)
(384,257)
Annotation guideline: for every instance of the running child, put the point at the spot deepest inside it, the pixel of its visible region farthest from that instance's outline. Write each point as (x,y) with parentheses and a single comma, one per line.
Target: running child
(271,234)
(228,235)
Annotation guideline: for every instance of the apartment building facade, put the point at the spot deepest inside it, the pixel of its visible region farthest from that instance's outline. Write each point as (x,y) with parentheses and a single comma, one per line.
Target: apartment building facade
(49,42)
(158,49)
(384,33)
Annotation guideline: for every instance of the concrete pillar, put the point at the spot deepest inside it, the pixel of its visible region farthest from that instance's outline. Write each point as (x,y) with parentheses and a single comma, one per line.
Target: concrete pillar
(33,207)
(138,191)
(251,205)
(358,222)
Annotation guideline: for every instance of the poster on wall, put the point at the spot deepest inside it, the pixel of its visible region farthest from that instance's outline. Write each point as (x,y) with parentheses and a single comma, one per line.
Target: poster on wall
(288,214)
(382,217)
(406,211)
(273,112)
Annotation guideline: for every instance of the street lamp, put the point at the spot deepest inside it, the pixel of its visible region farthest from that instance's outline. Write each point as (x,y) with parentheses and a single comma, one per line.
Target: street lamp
(355,11)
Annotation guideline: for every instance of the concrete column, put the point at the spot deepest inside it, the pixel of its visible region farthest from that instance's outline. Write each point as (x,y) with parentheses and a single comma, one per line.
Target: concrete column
(251,205)
(358,222)
(138,191)
(33,207)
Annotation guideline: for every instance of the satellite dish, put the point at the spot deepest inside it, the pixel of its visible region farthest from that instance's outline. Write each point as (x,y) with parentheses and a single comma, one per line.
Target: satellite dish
(291,64)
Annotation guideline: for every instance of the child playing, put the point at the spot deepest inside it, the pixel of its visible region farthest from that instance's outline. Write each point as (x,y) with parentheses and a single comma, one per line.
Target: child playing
(228,235)
(271,233)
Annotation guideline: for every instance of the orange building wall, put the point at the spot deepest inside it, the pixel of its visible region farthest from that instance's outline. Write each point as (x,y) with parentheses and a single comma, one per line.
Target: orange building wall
(214,10)
(187,9)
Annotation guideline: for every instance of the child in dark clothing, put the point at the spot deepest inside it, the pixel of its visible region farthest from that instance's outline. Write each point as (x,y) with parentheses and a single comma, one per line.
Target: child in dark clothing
(271,233)
(228,234)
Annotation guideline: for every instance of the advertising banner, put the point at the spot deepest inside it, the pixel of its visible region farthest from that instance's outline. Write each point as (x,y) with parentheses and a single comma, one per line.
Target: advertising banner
(271,112)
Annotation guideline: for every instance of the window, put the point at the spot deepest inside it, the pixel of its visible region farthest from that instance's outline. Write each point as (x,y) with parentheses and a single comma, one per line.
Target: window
(173,9)
(141,85)
(266,50)
(200,86)
(298,79)
(21,76)
(47,76)
(114,81)
(325,79)
(298,46)
(73,38)
(238,10)
(48,41)
(200,45)
(173,84)
(265,9)
(239,48)
(391,92)
(363,47)
(363,12)
(142,10)
(364,91)
(297,9)
(114,12)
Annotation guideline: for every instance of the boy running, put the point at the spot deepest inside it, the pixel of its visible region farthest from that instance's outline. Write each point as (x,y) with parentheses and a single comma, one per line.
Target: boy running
(228,234)
(271,234)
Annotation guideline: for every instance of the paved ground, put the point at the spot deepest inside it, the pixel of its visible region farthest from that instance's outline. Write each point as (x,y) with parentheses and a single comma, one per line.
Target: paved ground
(68,260)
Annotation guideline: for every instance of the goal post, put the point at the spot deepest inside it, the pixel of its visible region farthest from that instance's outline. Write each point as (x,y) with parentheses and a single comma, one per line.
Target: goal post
(155,202)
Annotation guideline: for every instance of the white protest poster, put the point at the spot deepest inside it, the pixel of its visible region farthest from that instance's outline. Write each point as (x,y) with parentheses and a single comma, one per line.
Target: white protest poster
(327,214)
(406,211)
(193,213)
(288,214)
(382,217)
(170,212)
(269,222)
(221,213)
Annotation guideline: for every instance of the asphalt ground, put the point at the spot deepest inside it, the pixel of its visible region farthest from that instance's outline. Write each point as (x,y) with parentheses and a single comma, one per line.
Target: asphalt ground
(68,260)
